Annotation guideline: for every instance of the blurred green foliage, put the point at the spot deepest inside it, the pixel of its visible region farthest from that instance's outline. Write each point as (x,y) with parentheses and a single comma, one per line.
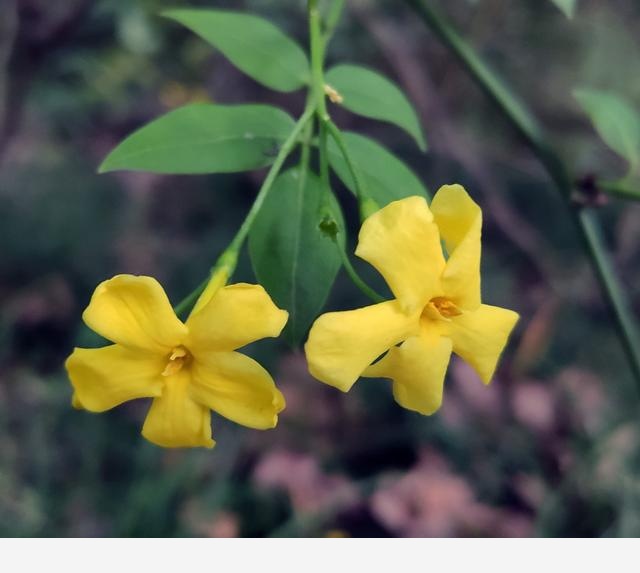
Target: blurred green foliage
(551,448)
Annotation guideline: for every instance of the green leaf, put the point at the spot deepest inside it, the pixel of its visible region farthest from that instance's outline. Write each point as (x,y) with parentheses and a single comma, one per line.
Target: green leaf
(617,123)
(387,178)
(567,6)
(204,138)
(294,260)
(367,93)
(252,44)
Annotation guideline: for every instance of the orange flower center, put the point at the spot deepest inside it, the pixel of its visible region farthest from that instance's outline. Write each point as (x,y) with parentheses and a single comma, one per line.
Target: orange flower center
(441,307)
(179,357)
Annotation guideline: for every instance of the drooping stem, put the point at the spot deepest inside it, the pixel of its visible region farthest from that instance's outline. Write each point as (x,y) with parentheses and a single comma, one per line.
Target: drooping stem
(367,205)
(326,124)
(317,48)
(187,303)
(328,224)
(529,128)
(229,257)
(317,60)
(218,277)
(285,150)
(305,155)
(355,277)
(324,158)
(590,227)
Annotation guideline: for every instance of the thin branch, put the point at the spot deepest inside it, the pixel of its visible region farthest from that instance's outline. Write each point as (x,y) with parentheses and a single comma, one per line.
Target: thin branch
(527,125)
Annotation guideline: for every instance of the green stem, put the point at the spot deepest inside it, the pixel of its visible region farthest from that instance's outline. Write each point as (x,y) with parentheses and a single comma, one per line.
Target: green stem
(367,205)
(328,223)
(229,256)
(317,60)
(493,86)
(285,150)
(618,298)
(355,277)
(619,190)
(324,158)
(527,125)
(317,46)
(188,302)
(305,155)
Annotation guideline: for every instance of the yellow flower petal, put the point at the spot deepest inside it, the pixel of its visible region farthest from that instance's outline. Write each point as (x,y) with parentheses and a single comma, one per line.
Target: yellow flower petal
(417,368)
(342,344)
(403,243)
(175,420)
(217,281)
(102,378)
(236,316)
(135,312)
(480,336)
(75,402)
(238,388)
(460,222)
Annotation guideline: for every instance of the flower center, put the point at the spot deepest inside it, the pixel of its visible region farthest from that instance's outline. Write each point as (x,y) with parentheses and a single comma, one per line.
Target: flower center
(178,358)
(441,307)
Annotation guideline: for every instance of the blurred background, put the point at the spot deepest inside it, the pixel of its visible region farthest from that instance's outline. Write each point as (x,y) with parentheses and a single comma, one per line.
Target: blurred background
(551,448)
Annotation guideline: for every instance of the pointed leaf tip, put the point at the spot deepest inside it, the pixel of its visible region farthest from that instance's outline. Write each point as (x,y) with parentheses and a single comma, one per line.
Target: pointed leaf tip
(253,44)
(370,94)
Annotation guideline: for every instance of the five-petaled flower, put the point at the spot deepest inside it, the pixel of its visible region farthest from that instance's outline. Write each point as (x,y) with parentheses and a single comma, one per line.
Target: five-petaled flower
(187,368)
(437,308)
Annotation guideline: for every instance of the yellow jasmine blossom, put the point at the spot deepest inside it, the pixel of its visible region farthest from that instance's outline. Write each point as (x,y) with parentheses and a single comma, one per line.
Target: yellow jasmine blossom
(437,309)
(187,368)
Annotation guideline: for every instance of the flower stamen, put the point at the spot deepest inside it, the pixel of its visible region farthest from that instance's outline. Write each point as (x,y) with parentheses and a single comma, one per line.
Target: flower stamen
(441,307)
(178,358)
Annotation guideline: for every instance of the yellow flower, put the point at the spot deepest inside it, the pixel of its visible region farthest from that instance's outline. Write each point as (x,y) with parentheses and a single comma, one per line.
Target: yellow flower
(437,308)
(187,368)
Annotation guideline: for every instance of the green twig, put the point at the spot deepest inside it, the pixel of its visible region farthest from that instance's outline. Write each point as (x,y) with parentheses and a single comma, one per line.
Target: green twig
(305,155)
(241,235)
(187,303)
(285,150)
(494,87)
(328,223)
(317,60)
(355,278)
(527,125)
(367,205)
(601,260)
(317,47)
(324,159)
